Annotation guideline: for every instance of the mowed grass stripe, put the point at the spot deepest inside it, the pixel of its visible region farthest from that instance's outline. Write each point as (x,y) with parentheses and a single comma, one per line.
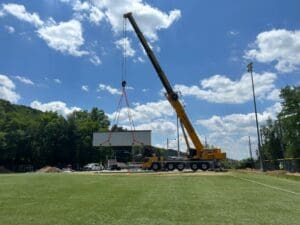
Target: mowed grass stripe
(135,199)
(284,182)
(268,186)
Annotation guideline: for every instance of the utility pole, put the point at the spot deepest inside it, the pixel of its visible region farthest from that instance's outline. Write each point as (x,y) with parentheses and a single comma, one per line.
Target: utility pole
(250,70)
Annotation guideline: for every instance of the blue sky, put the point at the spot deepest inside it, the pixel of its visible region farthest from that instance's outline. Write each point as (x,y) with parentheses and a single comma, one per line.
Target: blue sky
(62,55)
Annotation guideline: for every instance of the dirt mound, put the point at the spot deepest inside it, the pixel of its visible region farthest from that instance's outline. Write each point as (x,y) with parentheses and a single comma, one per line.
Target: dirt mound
(4,170)
(277,172)
(293,174)
(49,169)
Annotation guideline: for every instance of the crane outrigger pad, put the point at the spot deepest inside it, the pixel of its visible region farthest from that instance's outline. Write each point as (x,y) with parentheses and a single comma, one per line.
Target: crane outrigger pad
(123,138)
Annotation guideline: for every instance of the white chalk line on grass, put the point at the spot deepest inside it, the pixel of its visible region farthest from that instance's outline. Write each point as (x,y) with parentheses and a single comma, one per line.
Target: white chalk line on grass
(266,185)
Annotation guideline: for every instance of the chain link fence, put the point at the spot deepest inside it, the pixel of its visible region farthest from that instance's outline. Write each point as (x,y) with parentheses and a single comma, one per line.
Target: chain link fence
(289,164)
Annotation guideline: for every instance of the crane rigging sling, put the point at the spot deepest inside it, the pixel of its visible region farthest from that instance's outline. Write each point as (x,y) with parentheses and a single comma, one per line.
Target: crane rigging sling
(124,96)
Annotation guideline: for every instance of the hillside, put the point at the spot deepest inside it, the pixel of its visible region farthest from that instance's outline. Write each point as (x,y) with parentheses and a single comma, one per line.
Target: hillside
(35,138)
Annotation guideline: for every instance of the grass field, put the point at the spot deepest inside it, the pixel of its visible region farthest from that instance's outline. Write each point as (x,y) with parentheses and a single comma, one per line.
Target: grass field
(197,198)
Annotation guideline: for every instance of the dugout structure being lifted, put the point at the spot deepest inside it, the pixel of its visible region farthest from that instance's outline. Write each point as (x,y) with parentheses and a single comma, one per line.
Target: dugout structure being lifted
(122,138)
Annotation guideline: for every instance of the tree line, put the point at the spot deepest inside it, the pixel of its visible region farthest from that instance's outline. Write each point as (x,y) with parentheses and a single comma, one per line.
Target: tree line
(281,137)
(32,137)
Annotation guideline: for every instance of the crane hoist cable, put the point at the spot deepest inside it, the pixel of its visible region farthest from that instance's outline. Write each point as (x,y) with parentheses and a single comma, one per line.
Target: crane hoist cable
(124,97)
(124,54)
(124,94)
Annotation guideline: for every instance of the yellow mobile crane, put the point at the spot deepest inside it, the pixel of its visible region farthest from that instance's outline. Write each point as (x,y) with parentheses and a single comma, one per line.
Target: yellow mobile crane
(198,158)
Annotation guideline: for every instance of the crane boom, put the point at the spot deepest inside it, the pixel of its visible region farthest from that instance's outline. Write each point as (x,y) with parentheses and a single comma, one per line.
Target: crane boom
(171,95)
(151,56)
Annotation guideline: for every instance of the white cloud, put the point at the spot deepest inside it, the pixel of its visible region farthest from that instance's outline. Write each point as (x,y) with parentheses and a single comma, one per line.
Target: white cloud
(233,33)
(77,5)
(95,60)
(139,59)
(24,80)
(129,88)
(231,131)
(55,106)
(80,6)
(19,11)
(274,95)
(150,19)
(280,46)
(86,10)
(234,59)
(161,127)
(274,109)
(65,37)
(96,15)
(221,89)
(7,89)
(234,123)
(108,88)
(56,80)
(9,29)
(85,88)
(145,113)
(125,45)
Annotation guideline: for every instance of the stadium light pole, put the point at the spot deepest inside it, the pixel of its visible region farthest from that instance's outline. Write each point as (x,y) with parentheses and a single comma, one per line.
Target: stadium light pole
(250,70)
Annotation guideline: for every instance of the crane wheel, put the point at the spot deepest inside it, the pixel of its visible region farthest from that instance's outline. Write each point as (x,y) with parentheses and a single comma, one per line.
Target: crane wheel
(170,166)
(204,166)
(194,166)
(180,166)
(155,166)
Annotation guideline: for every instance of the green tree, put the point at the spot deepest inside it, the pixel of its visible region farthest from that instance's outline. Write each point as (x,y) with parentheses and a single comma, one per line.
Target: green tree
(29,136)
(51,140)
(271,147)
(84,124)
(289,120)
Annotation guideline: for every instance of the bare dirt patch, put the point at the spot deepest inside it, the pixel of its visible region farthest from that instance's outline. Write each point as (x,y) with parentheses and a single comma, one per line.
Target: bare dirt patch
(293,174)
(277,172)
(49,169)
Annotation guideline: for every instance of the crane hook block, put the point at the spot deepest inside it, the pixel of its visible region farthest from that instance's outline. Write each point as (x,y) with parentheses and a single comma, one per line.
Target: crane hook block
(123,83)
